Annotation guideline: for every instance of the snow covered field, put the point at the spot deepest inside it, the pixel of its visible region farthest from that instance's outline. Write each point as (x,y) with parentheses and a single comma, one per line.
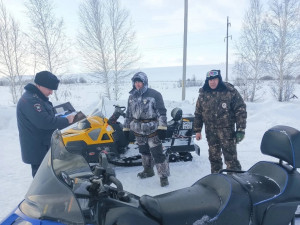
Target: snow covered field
(15,176)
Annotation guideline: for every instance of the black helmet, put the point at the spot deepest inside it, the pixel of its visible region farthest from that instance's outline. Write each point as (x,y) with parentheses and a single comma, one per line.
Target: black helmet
(176,114)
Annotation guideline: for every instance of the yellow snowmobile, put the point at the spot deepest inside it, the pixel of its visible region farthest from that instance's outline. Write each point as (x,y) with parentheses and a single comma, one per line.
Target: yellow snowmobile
(96,133)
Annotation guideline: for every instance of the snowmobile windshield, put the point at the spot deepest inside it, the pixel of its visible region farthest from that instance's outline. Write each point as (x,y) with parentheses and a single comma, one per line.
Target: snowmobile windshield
(50,195)
(84,124)
(98,113)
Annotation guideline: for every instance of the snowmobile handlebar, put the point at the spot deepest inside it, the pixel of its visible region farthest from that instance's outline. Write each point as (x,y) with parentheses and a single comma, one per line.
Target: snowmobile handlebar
(120,110)
(116,182)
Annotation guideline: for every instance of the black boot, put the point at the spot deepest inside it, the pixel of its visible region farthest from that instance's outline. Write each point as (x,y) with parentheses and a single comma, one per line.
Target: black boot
(164,181)
(148,172)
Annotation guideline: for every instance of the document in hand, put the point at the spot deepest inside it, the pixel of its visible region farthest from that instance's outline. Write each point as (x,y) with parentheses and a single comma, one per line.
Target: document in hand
(66,109)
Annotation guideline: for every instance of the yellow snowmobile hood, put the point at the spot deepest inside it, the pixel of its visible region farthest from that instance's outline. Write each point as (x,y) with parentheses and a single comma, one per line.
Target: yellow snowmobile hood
(92,130)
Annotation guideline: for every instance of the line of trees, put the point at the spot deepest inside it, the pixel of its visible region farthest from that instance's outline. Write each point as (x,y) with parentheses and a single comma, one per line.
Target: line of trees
(269,46)
(106,43)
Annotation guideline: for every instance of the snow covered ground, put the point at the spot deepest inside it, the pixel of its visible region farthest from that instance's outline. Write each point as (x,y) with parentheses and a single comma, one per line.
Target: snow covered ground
(15,176)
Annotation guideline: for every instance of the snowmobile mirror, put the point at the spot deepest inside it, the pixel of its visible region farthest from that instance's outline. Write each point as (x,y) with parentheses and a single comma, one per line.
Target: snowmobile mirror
(103,162)
(98,171)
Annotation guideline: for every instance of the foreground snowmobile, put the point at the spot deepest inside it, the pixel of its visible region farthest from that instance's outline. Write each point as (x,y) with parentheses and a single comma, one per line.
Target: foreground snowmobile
(66,191)
(97,133)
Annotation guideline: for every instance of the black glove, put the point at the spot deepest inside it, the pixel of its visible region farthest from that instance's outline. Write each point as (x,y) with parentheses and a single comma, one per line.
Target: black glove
(239,136)
(161,134)
(126,134)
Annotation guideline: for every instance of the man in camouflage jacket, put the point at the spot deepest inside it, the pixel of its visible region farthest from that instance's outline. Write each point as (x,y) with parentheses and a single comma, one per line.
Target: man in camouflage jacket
(146,117)
(221,108)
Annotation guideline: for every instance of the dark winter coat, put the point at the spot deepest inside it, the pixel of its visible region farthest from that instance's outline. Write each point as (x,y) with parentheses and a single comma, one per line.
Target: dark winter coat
(36,123)
(146,111)
(220,108)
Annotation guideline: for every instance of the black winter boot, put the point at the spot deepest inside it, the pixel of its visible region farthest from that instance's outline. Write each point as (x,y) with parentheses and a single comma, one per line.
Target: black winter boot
(164,181)
(148,172)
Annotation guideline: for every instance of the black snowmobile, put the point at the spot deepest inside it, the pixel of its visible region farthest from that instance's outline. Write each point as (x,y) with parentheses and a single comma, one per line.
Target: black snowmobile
(66,191)
(96,133)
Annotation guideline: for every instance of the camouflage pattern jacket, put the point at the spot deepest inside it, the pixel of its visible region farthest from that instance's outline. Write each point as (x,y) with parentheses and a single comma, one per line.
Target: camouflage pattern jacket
(146,111)
(222,108)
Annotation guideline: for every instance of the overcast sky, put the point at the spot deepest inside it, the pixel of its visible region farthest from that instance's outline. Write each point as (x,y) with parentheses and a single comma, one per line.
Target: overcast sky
(159,26)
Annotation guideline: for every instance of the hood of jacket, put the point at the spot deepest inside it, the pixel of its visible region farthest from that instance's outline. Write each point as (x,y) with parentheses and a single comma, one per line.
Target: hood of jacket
(143,77)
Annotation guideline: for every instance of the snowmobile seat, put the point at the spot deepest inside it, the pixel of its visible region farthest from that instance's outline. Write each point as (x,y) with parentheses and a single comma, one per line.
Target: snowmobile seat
(282,142)
(206,200)
(264,181)
(267,184)
(277,206)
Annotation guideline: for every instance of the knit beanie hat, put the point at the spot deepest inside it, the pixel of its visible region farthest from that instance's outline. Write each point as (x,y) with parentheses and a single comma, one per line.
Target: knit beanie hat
(46,79)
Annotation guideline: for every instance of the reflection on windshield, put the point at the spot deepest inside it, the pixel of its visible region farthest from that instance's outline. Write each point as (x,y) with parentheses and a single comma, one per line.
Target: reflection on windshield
(49,197)
(83,124)
(98,113)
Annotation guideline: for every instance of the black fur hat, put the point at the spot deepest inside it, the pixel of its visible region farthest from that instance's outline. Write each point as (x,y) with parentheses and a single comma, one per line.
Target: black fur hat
(46,79)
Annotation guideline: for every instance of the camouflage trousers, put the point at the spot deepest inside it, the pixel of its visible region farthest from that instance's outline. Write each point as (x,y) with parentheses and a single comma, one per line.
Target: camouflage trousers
(152,154)
(220,141)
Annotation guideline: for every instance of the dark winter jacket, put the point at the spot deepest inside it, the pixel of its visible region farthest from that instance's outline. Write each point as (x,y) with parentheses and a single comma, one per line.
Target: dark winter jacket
(36,123)
(222,107)
(146,111)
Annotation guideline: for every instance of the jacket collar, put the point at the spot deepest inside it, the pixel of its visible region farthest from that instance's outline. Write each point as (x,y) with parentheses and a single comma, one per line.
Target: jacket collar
(33,89)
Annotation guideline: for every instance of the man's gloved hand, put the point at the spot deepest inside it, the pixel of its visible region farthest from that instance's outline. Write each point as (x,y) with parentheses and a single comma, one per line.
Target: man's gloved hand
(126,134)
(161,134)
(239,136)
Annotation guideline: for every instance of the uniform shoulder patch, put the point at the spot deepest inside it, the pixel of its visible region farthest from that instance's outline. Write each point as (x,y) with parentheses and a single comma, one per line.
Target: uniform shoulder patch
(37,107)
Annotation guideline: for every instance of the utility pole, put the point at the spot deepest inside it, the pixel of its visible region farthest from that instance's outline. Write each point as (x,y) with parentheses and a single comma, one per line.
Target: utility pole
(228,24)
(184,47)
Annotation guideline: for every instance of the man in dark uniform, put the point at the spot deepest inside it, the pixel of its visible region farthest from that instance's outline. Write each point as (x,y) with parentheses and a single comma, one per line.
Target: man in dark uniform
(223,111)
(146,117)
(36,119)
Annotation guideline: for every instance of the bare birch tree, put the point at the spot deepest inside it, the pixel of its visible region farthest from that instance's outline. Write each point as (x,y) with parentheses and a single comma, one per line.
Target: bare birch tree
(12,53)
(48,37)
(123,46)
(283,34)
(251,51)
(107,43)
(93,39)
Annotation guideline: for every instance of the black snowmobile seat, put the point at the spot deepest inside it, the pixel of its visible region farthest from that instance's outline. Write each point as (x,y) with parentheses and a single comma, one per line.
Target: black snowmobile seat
(269,184)
(264,181)
(282,142)
(207,198)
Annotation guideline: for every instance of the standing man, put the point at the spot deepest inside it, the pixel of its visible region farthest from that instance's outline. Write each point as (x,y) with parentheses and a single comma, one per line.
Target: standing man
(146,117)
(36,119)
(223,111)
